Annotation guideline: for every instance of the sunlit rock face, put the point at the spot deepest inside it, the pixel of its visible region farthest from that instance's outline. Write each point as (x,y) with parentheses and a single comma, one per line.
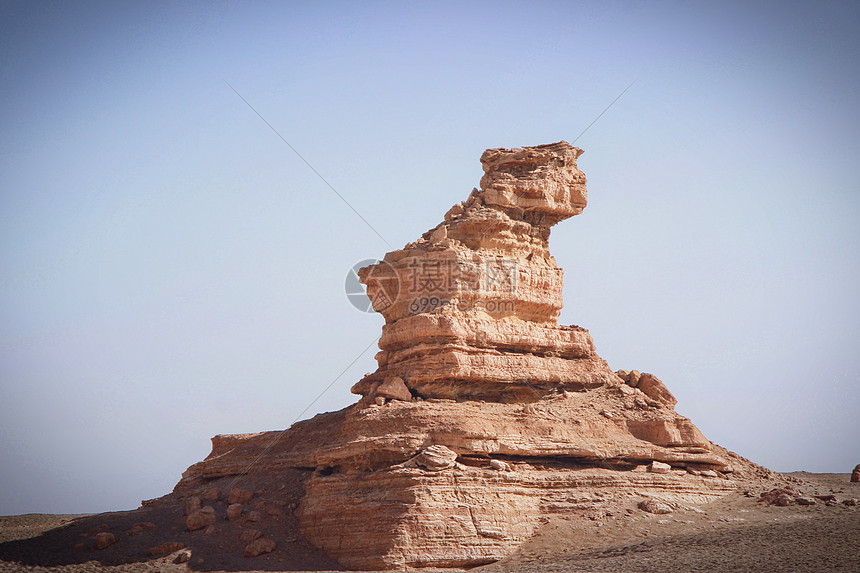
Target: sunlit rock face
(484,415)
(472,306)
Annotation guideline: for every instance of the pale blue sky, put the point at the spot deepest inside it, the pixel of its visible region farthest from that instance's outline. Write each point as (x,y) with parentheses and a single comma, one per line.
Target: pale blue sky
(170,270)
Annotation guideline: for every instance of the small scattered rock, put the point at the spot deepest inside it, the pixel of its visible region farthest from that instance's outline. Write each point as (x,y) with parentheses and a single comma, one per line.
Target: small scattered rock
(851,501)
(95,530)
(474,198)
(656,390)
(394,388)
(855,475)
(454,211)
(804,500)
(248,535)
(659,467)
(105,539)
(435,458)
(254,516)
(234,511)
(141,527)
(439,234)
(210,530)
(654,506)
(183,557)
(192,504)
(633,378)
(500,465)
(270,509)
(165,548)
(237,495)
(258,547)
(779,496)
(203,517)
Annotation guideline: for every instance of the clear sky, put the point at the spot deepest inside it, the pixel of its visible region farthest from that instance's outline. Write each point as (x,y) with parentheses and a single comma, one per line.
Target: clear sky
(170,270)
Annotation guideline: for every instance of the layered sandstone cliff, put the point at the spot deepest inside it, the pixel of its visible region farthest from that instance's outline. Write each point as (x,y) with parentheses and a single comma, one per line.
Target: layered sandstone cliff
(471,308)
(484,415)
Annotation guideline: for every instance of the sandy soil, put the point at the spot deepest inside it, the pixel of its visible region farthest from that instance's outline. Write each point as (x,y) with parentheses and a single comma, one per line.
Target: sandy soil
(736,533)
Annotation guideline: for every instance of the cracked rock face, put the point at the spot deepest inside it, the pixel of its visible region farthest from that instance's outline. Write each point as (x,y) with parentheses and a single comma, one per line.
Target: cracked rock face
(484,415)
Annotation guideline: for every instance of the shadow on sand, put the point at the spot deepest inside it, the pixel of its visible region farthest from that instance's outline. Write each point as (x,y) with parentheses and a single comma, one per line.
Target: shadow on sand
(75,543)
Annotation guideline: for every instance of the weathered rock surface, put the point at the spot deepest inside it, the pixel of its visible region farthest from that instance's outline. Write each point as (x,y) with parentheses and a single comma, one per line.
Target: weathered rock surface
(237,495)
(192,504)
(234,511)
(855,475)
(484,415)
(141,527)
(393,388)
(166,547)
(654,506)
(436,458)
(105,540)
(652,387)
(250,534)
(200,519)
(781,497)
(659,468)
(258,547)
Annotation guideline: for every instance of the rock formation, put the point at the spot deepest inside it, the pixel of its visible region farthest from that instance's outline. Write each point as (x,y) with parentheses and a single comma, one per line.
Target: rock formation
(471,308)
(484,415)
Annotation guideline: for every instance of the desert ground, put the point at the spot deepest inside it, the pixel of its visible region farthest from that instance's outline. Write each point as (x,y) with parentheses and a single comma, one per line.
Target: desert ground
(739,532)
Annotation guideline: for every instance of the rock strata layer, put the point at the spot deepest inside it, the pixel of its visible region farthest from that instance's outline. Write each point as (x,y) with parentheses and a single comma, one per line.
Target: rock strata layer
(484,415)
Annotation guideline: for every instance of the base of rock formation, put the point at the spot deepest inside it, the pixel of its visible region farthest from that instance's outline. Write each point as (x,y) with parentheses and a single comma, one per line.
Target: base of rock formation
(792,522)
(379,491)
